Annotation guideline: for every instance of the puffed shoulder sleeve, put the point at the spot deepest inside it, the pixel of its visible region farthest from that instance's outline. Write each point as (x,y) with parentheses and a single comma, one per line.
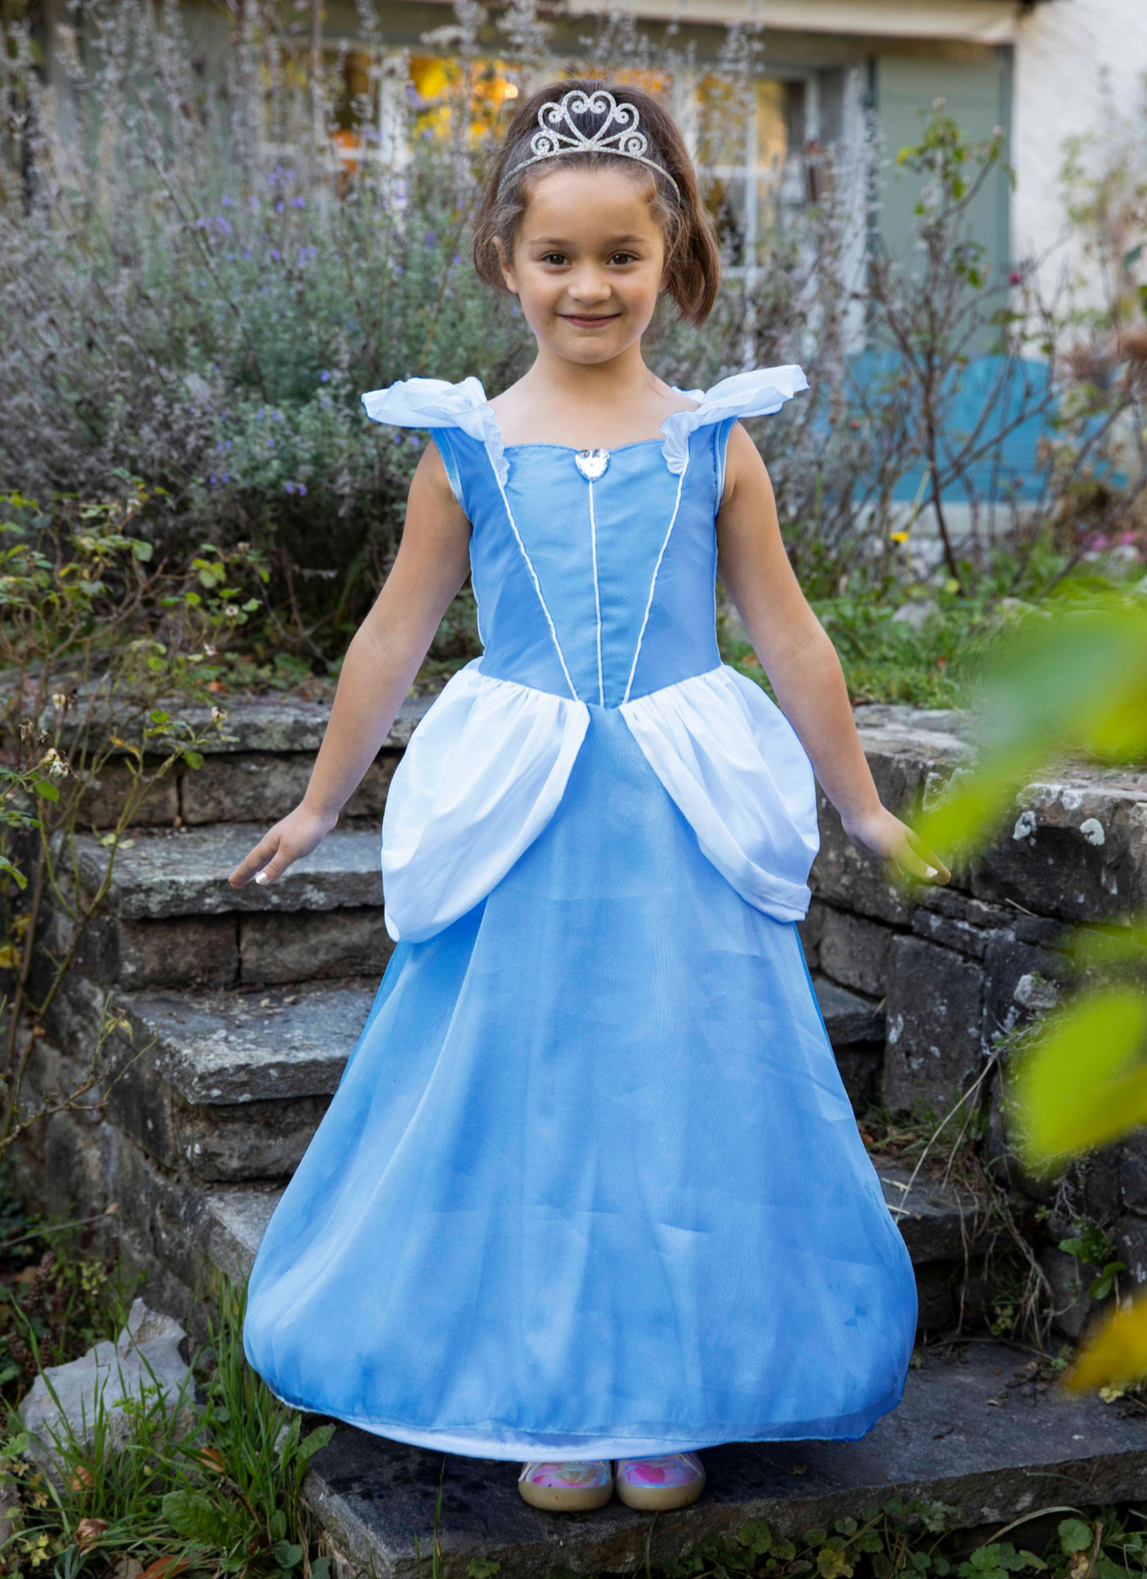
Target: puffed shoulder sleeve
(760,393)
(433,404)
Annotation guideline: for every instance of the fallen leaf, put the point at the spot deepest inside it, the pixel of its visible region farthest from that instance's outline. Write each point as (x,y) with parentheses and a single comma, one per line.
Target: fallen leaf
(164,1568)
(88,1532)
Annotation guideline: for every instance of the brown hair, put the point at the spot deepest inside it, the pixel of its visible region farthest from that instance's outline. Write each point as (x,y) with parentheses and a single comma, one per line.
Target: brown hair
(692,261)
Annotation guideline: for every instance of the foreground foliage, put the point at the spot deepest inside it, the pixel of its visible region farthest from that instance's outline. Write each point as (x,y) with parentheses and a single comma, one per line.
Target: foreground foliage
(1071,680)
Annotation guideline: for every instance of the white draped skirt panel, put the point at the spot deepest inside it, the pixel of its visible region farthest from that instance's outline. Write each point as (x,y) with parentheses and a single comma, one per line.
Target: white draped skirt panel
(487,767)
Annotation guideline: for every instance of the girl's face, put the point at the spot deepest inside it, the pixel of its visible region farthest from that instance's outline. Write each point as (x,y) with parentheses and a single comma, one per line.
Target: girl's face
(588,263)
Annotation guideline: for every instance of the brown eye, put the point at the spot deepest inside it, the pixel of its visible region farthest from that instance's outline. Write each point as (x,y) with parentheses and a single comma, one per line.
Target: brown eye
(554,257)
(624,257)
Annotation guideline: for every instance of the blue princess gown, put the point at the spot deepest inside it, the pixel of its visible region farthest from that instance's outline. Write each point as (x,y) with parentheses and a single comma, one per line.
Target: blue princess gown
(590,1185)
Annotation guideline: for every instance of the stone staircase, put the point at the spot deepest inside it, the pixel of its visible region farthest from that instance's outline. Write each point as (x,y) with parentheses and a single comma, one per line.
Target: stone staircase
(241,1009)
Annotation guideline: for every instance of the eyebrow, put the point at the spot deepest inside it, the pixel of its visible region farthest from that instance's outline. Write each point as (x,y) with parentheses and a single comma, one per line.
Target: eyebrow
(562,241)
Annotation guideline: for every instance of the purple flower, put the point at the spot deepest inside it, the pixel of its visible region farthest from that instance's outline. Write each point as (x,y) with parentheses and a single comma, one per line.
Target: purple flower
(415,441)
(429,239)
(324,376)
(277,416)
(399,269)
(457,258)
(275,253)
(280,206)
(259,415)
(302,488)
(254,205)
(230,257)
(246,252)
(270,444)
(226,201)
(213,478)
(289,486)
(302,255)
(325,400)
(225,477)
(298,202)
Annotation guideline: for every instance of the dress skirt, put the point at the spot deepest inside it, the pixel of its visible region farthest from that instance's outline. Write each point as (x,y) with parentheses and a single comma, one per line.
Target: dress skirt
(590,1185)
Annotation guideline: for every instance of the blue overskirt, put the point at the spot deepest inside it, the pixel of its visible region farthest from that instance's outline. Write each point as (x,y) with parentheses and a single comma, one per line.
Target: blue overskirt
(590,1185)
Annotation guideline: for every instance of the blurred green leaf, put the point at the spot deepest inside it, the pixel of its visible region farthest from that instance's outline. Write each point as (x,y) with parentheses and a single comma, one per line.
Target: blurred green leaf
(1083,1082)
(1070,681)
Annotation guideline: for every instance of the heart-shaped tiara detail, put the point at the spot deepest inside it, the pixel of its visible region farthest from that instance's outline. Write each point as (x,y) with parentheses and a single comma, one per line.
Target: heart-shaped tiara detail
(559,135)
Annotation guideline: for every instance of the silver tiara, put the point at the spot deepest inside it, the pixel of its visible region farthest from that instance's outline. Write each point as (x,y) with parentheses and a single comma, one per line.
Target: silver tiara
(559,135)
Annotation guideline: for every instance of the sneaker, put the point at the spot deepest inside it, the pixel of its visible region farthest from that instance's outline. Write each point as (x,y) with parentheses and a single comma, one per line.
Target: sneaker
(567,1488)
(672,1481)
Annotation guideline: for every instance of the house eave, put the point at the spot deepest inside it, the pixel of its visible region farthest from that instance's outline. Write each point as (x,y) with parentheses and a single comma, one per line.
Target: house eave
(957,21)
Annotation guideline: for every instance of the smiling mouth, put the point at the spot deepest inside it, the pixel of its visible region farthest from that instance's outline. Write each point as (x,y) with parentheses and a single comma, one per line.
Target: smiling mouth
(589,317)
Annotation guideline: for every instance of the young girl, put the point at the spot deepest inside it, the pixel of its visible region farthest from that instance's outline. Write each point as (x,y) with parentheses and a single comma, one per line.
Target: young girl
(590,1194)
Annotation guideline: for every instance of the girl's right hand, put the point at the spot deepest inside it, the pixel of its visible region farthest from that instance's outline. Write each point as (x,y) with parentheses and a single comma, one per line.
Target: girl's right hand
(296,835)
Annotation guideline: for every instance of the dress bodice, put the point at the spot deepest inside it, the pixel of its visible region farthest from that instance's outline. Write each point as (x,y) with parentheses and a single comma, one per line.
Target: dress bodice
(594,574)
(630,601)
(593,571)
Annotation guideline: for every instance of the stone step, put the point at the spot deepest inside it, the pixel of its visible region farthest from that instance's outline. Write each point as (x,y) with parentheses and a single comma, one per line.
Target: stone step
(254,770)
(980,1432)
(228,1068)
(220,1086)
(171,919)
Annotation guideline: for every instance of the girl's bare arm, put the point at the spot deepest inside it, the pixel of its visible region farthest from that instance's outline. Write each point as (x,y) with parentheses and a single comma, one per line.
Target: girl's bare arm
(381,662)
(801,662)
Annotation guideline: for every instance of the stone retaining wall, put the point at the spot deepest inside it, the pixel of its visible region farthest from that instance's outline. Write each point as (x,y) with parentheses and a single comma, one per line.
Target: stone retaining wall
(966,964)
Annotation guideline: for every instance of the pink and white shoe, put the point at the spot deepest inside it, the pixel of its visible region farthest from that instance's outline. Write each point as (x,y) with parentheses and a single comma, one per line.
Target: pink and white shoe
(653,1484)
(572,1487)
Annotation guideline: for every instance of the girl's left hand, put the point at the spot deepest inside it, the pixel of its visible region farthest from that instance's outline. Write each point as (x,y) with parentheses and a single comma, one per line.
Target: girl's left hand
(904,854)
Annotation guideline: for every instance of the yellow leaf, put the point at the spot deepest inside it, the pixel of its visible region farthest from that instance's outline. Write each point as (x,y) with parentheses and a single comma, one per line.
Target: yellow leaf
(1115,1354)
(1084,1082)
(9,957)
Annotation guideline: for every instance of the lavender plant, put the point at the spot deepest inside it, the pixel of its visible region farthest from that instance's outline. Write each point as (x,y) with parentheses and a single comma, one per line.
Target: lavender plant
(200,272)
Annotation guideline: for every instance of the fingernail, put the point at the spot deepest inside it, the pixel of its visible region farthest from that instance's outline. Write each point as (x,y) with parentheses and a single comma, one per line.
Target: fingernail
(260,877)
(932,871)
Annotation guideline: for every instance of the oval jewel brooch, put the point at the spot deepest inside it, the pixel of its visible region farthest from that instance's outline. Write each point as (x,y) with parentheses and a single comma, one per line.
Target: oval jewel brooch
(592,463)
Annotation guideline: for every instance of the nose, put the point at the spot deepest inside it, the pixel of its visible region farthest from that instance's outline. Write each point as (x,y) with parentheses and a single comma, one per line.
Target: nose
(589,284)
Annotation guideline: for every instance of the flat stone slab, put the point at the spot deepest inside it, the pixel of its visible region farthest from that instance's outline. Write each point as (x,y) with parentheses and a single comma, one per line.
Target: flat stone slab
(974,1434)
(221,1047)
(279,724)
(233,1222)
(289,724)
(184,872)
(936,1219)
(848,1018)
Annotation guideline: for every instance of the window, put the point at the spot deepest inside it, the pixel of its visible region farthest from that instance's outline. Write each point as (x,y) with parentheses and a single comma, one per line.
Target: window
(749,147)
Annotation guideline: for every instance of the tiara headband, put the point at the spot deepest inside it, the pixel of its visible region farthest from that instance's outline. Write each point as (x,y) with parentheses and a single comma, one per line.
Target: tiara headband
(559,135)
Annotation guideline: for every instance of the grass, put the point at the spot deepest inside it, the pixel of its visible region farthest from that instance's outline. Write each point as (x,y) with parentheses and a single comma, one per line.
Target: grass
(211,1492)
(933,665)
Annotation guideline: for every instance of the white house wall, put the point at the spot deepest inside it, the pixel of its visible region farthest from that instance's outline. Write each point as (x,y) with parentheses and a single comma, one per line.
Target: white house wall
(1077,62)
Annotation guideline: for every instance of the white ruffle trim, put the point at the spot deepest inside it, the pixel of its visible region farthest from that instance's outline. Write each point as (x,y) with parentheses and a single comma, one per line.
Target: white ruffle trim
(488,765)
(737,772)
(760,393)
(435,403)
